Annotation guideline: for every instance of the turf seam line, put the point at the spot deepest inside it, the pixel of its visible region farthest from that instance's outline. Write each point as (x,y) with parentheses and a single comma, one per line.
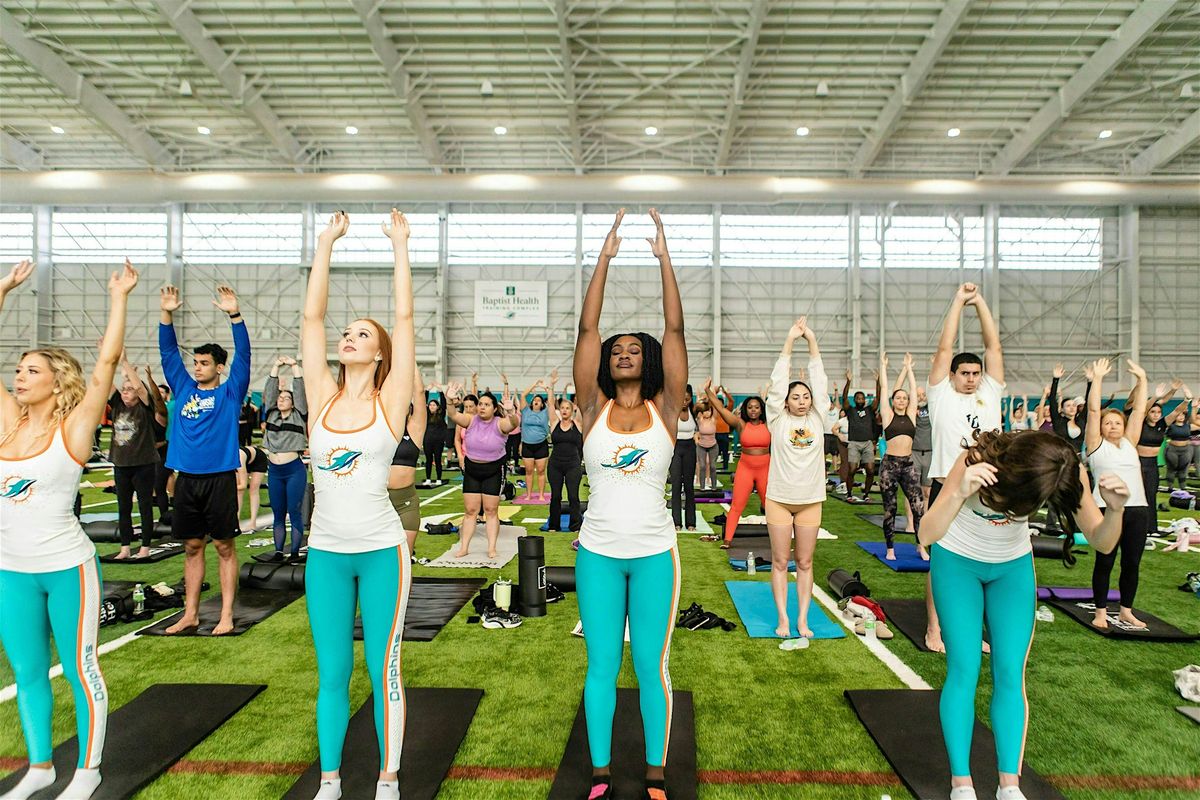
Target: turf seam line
(905,673)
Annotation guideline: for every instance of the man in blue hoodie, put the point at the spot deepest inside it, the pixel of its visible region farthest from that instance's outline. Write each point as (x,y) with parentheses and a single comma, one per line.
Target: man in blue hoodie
(204,451)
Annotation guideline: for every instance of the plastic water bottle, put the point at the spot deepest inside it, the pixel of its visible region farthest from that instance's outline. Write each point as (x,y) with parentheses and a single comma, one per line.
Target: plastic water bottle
(869,626)
(1044,614)
(139,599)
(751,567)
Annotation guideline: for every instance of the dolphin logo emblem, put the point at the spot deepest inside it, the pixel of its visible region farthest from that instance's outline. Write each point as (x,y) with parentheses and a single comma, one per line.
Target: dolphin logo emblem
(343,462)
(18,489)
(628,459)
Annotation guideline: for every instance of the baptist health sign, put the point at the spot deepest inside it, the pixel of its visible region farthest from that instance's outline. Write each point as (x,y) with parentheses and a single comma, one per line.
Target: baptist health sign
(517,304)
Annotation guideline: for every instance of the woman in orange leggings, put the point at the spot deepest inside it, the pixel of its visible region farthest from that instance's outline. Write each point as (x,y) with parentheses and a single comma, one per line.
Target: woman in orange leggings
(755,460)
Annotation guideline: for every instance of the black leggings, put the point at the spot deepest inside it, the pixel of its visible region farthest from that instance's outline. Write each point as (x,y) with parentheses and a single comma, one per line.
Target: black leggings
(899,472)
(571,474)
(1150,484)
(138,479)
(1131,544)
(161,476)
(683,476)
(512,450)
(435,440)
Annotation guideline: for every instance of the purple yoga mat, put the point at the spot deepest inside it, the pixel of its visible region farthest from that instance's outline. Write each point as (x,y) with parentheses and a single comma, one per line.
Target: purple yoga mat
(728,497)
(1071,593)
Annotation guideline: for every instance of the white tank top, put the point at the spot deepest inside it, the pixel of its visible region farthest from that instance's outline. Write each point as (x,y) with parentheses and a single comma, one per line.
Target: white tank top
(627,516)
(353,513)
(38,528)
(982,534)
(1122,461)
(686,428)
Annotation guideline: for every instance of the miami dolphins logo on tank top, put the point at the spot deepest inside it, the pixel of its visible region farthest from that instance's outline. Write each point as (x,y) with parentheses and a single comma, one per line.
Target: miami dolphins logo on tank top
(341,461)
(628,459)
(17,489)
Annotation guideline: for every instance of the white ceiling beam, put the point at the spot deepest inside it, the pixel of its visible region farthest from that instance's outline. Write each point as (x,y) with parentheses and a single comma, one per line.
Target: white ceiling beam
(652,84)
(20,155)
(79,90)
(561,12)
(1129,35)
(401,81)
(221,63)
(1168,147)
(737,95)
(910,84)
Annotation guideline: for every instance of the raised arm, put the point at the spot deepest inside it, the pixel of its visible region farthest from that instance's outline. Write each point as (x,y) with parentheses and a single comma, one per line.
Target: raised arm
(878,391)
(846,392)
(419,418)
(81,424)
(993,353)
(732,420)
(511,419)
(1133,428)
(882,387)
(156,397)
(781,374)
(1163,394)
(271,386)
(818,380)
(319,383)
(299,397)
(949,338)
(239,372)
(586,365)
(397,390)
(675,357)
(912,386)
(1091,432)
(10,411)
(454,395)
(1101,528)
(129,374)
(174,371)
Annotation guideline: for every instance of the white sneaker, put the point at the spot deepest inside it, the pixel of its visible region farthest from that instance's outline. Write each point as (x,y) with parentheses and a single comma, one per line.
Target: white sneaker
(963,793)
(330,790)
(1009,793)
(387,790)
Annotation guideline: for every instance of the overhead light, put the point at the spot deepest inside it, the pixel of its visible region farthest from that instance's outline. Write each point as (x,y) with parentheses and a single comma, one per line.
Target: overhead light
(651,130)
(822,89)
(802,131)
(58,129)
(486,89)
(500,130)
(203,130)
(353,131)
(1104,134)
(953,133)
(185,88)
(1186,90)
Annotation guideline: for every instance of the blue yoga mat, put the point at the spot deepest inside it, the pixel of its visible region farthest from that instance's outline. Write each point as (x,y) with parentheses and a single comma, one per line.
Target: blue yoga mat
(739,565)
(907,559)
(564,523)
(756,607)
(104,516)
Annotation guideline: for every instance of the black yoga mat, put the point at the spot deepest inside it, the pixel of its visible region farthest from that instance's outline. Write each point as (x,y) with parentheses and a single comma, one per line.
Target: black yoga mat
(1157,630)
(906,726)
(908,617)
(574,776)
(158,552)
(877,521)
(436,724)
(432,603)
(759,545)
(874,501)
(251,607)
(149,734)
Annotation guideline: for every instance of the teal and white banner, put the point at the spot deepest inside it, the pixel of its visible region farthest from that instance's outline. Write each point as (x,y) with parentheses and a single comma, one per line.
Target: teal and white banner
(510,304)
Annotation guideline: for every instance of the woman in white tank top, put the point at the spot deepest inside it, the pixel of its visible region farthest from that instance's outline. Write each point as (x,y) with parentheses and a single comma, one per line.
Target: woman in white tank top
(358,552)
(630,390)
(49,575)
(1111,444)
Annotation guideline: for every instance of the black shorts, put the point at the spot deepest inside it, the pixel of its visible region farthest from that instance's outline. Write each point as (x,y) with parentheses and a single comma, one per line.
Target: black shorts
(483,477)
(205,505)
(259,462)
(535,451)
(831,445)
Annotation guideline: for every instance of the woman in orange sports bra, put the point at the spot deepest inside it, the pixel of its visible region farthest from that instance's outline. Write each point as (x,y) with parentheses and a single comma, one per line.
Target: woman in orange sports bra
(755,459)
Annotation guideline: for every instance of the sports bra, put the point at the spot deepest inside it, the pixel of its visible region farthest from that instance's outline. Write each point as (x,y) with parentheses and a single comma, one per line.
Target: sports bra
(1180,432)
(755,434)
(1153,435)
(407,452)
(901,425)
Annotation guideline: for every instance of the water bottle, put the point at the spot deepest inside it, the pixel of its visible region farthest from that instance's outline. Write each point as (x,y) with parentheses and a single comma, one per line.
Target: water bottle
(1044,614)
(751,567)
(139,600)
(869,626)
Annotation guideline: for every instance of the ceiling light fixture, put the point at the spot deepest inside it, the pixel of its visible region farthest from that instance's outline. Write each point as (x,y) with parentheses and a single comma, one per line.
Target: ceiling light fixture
(1104,134)
(203,130)
(500,130)
(802,131)
(1186,90)
(58,129)
(822,89)
(353,131)
(185,88)
(953,133)
(651,130)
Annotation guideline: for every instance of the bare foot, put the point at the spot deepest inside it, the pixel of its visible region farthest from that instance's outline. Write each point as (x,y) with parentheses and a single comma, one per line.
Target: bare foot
(987,648)
(223,627)
(923,553)
(1129,619)
(143,552)
(891,554)
(805,631)
(933,640)
(491,553)
(183,624)
(460,553)
(123,554)
(724,545)
(783,630)
(1100,620)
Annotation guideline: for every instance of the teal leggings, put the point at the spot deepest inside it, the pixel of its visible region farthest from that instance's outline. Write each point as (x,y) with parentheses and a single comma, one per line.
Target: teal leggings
(966,592)
(335,583)
(646,591)
(65,603)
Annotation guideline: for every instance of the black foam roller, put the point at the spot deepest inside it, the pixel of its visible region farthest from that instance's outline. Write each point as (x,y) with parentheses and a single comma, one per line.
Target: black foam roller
(531,571)
(562,577)
(256,575)
(843,584)
(1054,547)
(1185,503)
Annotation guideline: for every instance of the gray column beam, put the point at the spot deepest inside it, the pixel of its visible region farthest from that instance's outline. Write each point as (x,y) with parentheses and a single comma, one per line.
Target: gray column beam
(42,332)
(717,316)
(20,155)
(1168,147)
(854,290)
(1130,282)
(441,319)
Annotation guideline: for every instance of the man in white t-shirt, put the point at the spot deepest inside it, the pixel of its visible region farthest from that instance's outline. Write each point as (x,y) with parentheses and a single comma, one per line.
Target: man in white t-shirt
(963,397)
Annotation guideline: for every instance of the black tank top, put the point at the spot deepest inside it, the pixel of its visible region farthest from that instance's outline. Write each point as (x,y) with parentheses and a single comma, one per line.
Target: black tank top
(568,444)
(901,426)
(407,452)
(1153,435)
(861,424)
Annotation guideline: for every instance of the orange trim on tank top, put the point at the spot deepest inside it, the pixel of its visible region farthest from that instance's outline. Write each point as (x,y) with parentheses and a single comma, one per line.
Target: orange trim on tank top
(329,407)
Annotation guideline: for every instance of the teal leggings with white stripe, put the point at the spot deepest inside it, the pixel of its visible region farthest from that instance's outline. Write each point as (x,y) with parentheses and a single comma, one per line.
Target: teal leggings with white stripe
(378,582)
(646,592)
(65,604)
(966,592)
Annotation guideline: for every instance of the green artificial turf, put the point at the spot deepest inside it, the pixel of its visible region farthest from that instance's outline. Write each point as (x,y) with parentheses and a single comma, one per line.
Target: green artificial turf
(1098,707)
